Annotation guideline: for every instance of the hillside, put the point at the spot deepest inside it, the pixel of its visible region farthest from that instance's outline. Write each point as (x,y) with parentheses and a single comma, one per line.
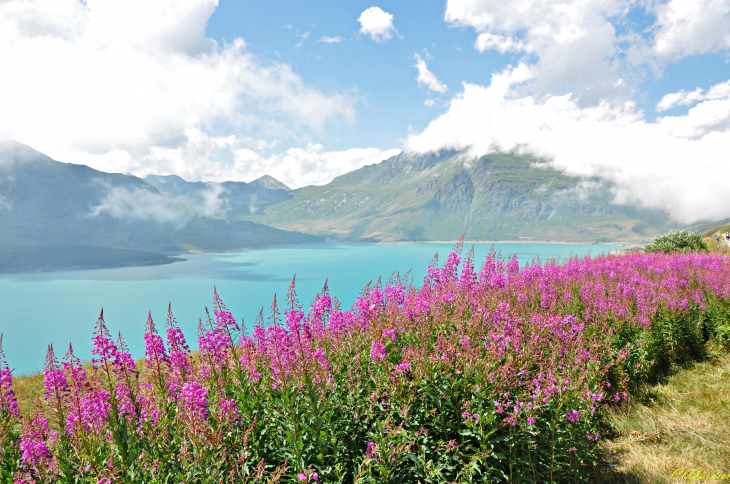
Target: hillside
(722,228)
(44,202)
(709,228)
(72,257)
(441,196)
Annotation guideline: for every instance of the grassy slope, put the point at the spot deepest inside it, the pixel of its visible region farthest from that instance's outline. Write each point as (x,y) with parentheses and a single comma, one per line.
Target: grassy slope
(720,229)
(420,200)
(680,422)
(712,244)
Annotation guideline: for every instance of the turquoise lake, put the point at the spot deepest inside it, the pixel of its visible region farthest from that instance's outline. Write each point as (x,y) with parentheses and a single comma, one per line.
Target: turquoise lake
(37,309)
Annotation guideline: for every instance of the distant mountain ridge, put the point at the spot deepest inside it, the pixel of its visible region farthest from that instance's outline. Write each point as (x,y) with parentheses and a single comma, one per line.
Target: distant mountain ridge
(44,202)
(439,196)
(240,198)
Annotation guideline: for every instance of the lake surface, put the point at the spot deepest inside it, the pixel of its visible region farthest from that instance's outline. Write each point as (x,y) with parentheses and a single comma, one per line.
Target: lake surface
(56,308)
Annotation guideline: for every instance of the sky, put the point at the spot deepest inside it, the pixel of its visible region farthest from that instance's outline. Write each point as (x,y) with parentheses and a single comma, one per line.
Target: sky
(634,91)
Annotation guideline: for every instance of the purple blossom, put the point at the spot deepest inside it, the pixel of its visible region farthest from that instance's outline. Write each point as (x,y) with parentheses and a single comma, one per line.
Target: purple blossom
(377,351)
(194,399)
(35,437)
(8,400)
(572,416)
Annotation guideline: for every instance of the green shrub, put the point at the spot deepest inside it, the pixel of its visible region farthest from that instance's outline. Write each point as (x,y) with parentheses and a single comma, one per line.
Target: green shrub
(677,241)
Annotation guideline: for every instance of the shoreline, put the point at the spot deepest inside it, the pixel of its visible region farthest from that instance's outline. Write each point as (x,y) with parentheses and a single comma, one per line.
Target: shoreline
(406,242)
(504,242)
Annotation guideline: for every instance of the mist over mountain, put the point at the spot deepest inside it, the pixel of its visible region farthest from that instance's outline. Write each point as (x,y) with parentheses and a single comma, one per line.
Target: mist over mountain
(46,202)
(237,198)
(439,196)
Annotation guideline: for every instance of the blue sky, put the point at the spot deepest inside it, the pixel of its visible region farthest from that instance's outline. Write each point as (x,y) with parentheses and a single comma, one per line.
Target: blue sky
(633,91)
(382,74)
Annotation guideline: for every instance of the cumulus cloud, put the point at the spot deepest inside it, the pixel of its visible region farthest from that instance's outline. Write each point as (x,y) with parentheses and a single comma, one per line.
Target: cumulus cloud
(295,167)
(500,43)
(330,40)
(684,98)
(426,77)
(121,84)
(377,23)
(678,164)
(574,43)
(144,204)
(429,103)
(312,165)
(688,27)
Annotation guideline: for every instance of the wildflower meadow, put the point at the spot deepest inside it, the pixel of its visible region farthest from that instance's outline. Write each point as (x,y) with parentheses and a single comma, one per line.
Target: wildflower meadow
(493,373)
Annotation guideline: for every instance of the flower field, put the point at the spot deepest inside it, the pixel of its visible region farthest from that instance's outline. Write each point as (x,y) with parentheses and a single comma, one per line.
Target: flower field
(493,373)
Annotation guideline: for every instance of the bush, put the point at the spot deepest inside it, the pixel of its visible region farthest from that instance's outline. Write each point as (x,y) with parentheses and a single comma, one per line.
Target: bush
(677,241)
(504,375)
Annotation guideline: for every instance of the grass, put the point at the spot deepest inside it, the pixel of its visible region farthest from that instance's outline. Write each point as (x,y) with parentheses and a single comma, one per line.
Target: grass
(716,247)
(679,422)
(28,388)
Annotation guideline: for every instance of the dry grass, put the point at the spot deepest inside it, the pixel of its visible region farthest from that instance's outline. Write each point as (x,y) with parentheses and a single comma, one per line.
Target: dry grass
(683,421)
(28,389)
(716,247)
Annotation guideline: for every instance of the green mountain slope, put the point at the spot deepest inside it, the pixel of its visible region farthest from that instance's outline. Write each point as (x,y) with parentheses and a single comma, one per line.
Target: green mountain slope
(441,196)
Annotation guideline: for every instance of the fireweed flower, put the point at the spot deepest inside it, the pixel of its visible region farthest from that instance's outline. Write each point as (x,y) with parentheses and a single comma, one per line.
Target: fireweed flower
(372,451)
(179,353)
(35,437)
(572,416)
(8,400)
(194,399)
(377,351)
(103,346)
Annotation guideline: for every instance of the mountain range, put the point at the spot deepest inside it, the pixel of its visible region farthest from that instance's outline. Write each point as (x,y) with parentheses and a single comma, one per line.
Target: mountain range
(438,196)
(44,202)
(409,197)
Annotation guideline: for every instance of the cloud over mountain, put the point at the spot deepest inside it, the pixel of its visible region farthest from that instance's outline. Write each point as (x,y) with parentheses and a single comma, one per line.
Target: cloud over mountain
(121,85)
(675,163)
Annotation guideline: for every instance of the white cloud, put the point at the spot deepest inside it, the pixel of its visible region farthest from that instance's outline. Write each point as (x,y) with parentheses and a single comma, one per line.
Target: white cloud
(429,103)
(701,120)
(330,40)
(688,27)
(121,84)
(312,165)
(678,163)
(426,77)
(574,42)
(377,23)
(500,43)
(718,91)
(295,167)
(143,204)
